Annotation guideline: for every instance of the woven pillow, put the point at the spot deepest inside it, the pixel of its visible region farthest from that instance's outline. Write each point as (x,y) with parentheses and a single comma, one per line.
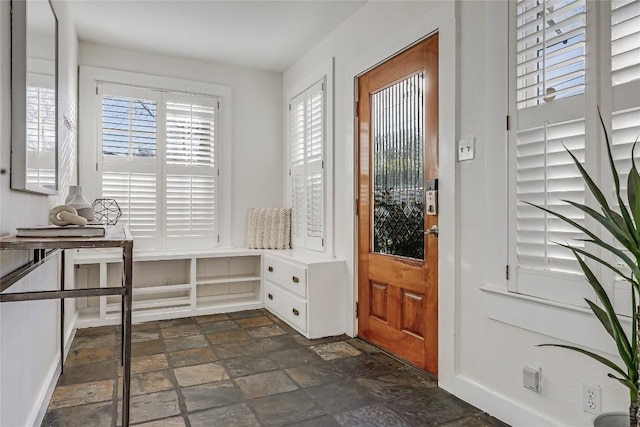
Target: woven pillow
(269,228)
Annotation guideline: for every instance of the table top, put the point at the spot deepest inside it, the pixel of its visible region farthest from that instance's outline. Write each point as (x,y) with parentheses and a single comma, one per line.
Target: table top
(116,236)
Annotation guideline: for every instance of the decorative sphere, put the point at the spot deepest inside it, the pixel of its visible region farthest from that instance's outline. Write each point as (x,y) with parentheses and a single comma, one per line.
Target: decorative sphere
(106,211)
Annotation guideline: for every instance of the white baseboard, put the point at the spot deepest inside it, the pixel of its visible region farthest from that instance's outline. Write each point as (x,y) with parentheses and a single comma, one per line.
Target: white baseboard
(44,397)
(497,405)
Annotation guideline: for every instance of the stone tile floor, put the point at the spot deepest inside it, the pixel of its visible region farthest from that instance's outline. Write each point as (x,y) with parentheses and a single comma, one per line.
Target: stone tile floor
(246,369)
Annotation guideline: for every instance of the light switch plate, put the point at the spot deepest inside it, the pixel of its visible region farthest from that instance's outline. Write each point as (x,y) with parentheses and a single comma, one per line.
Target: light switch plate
(466,149)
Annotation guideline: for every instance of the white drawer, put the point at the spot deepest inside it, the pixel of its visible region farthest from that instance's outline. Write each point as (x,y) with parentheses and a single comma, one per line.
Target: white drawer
(290,276)
(290,308)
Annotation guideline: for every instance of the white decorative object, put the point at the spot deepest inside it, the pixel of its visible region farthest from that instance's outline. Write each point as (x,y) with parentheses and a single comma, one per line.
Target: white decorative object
(73,190)
(269,228)
(66,215)
(80,204)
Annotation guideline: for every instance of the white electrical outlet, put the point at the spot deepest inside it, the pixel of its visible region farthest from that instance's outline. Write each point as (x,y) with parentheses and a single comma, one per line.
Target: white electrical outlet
(590,398)
(531,378)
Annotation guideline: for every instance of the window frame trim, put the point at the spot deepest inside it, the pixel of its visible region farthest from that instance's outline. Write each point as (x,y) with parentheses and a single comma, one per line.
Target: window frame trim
(89,127)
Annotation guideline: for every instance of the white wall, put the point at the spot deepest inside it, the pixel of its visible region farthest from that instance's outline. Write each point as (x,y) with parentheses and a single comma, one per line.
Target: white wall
(257,146)
(488,355)
(29,337)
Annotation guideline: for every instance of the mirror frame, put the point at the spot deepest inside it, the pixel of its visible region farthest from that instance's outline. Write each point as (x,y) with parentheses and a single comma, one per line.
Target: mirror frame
(19,101)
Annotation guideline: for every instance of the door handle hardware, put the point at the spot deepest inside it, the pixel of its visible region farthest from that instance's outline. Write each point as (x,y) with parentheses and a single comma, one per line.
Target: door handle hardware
(295,279)
(433,230)
(296,312)
(270,269)
(269,296)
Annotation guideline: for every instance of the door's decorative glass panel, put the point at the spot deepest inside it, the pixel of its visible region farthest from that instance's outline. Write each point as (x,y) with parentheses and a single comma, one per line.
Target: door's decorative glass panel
(397,115)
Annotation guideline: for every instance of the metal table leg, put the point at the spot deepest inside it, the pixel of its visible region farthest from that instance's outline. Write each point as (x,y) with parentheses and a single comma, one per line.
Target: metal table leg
(62,262)
(127,270)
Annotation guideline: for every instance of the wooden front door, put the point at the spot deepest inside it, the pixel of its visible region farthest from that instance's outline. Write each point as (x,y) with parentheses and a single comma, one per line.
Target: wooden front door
(398,165)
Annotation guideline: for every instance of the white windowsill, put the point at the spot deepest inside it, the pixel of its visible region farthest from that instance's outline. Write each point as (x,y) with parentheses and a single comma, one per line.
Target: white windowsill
(563,322)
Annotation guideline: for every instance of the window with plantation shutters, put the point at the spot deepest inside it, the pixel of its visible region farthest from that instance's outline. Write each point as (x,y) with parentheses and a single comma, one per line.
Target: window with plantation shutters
(158,161)
(625,106)
(307,150)
(558,85)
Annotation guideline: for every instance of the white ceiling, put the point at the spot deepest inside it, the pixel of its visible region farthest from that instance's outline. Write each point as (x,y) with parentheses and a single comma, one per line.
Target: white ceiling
(266,35)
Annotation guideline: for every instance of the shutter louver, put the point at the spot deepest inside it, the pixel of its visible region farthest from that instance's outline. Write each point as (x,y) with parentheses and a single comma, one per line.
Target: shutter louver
(41,136)
(625,41)
(550,50)
(306,133)
(546,175)
(129,149)
(191,169)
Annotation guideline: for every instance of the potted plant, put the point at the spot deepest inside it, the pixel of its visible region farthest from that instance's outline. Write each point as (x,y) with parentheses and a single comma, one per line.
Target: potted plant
(624,226)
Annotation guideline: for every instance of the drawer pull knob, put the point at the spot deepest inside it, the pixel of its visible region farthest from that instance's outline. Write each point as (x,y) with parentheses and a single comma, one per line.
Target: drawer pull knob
(296,312)
(270,269)
(295,279)
(269,296)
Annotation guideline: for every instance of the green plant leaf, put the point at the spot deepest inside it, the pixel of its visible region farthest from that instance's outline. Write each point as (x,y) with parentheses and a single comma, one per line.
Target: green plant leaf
(601,261)
(619,336)
(633,188)
(602,317)
(627,383)
(618,231)
(608,363)
(616,179)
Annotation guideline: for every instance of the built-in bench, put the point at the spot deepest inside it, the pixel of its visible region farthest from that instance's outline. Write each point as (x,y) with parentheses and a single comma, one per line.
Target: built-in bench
(305,289)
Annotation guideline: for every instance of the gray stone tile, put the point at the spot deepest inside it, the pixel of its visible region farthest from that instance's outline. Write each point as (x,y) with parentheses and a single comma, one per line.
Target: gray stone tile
(433,406)
(492,421)
(254,322)
(193,356)
(152,362)
(227,416)
(167,422)
(390,385)
(81,394)
(294,357)
(142,336)
(323,421)
(94,341)
(211,395)
(360,366)
(85,356)
(468,422)
(181,331)
(335,350)
(219,326)
(370,416)
(184,343)
(249,365)
(176,322)
(314,374)
(226,337)
(342,396)
(265,384)
(266,331)
(100,330)
(154,406)
(305,341)
(236,349)
(90,372)
(147,347)
(282,342)
(212,318)
(285,408)
(145,326)
(363,345)
(96,414)
(200,374)
(148,382)
(244,314)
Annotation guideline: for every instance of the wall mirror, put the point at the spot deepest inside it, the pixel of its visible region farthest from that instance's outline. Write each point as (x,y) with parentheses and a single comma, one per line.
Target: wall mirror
(34,100)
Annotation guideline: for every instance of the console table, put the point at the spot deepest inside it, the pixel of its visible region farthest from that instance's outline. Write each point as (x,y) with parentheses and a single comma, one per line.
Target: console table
(44,249)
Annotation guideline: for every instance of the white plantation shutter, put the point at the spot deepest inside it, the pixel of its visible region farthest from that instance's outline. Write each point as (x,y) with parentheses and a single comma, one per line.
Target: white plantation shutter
(191,166)
(625,115)
(41,136)
(159,161)
(129,157)
(550,50)
(550,64)
(307,146)
(625,41)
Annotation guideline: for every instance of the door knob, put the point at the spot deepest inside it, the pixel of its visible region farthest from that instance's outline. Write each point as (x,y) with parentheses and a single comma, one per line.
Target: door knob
(433,230)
